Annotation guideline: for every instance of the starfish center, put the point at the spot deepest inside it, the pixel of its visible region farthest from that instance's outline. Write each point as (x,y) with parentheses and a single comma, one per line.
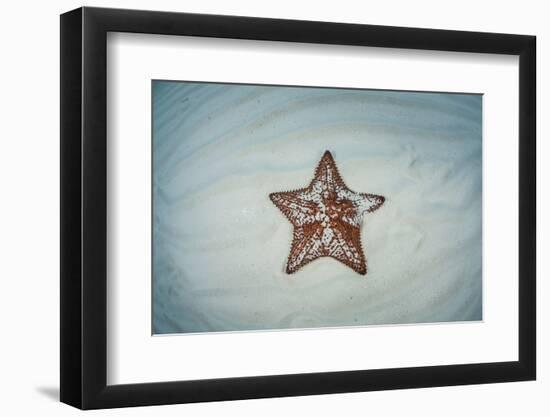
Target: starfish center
(333,209)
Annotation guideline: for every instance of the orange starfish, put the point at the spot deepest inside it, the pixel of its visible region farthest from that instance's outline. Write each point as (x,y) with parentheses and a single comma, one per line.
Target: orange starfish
(326,217)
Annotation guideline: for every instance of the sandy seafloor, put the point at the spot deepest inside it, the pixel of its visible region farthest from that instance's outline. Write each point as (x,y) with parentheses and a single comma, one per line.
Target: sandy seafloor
(220,245)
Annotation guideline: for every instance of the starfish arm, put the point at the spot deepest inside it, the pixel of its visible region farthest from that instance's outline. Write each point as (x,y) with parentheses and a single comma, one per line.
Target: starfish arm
(371,202)
(296,206)
(345,246)
(327,177)
(306,247)
(362,203)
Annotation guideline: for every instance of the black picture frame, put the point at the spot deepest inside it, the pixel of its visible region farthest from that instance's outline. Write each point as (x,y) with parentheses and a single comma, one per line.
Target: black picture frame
(84,207)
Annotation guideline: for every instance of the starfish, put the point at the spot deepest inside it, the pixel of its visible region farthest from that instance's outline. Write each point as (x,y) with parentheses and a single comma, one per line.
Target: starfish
(327,217)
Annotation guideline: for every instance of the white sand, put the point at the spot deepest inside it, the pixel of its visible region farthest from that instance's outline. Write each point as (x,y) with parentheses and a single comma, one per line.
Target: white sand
(220,245)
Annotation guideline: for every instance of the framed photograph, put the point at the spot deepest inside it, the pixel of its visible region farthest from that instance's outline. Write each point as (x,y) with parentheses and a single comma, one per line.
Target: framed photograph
(256,208)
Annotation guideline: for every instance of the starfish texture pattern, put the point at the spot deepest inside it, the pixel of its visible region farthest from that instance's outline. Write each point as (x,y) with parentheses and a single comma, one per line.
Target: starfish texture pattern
(327,217)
